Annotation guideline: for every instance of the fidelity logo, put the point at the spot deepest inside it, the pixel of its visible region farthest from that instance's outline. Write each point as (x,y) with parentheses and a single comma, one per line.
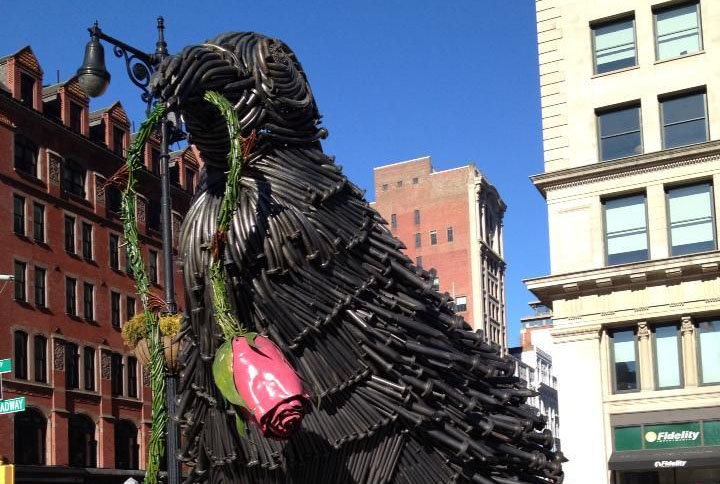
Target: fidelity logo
(670,463)
(684,436)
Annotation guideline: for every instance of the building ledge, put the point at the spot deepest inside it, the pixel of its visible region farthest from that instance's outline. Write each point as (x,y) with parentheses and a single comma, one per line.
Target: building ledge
(635,275)
(630,165)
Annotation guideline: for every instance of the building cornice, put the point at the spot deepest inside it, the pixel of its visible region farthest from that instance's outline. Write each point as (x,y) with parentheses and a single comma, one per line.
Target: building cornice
(569,334)
(632,165)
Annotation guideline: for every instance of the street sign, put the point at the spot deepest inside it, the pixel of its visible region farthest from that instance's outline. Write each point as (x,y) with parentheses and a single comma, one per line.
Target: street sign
(13,405)
(5,366)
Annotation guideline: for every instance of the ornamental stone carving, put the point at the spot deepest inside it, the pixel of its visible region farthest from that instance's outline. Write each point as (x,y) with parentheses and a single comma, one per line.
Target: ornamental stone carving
(54,169)
(141,210)
(58,355)
(105,366)
(146,376)
(643,330)
(99,190)
(686,325)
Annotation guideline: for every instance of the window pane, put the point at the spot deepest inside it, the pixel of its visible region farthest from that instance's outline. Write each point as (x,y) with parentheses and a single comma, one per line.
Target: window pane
(624,360)
(614,46)
(621,121)
(19,215)
(684,120)
(691,219)
(678,31)
(667,356)
(709,338)
(620,133)
(626,229)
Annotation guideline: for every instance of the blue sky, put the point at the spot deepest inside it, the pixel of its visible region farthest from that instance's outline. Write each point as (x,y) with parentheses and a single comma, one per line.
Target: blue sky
(394,79)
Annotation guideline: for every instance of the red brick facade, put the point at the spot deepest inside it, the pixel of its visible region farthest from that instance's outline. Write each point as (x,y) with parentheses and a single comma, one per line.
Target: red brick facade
(73,154)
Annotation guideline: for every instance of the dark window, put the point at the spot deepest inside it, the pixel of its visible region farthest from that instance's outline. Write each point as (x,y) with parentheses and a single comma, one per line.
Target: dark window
(153,267)
(393,221)
(40,278)
(129,308)
(692,225)
(89,364)
(684,120)
(115,309)
(614,45)
(40,355)
(70,234)
(155,161)
(27,90)
(624,357)
(114,252)
(87,240)
(399,184)
(126,445)
(81,442)
(384,187)
(88,303)
(118,141)
(20,274)
(460,302)
(418,261)
(708,338)
(76,117)
(668,356)
(415,181)
(416,216)
(175,174)
(70,296)
(433,238)
(116,373)
(154,215)
(113,199)
(19,214)
(189,180)
(626,237)
(678,31)
(72,366)
(21,360)
(418,240)
(26,153)
(620,133)
(30,431)
(436,284)
(73,179)
(39,222)
(132,377)
(128,266)
(450,234)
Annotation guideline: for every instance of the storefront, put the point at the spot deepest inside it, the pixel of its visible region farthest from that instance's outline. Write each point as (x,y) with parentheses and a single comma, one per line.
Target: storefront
(667,453)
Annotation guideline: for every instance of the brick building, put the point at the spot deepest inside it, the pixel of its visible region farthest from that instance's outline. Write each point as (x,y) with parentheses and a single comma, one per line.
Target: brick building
(88,399)
(451,221)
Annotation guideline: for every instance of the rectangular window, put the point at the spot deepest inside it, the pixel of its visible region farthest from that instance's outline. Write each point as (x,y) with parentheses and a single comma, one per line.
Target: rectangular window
(72,366)
(708,336)
(692,228)
(174,172)
(129,308)
(88,301)
(89,373)
(39,222)
(450,234)
(115,309)
(668,356)
(87,241)
(626,237)
(69,234)
(399,184)
(73,179)
(384,187)
(416,216)
(40,278)
(436,284)
(153,266)
(76,117)
(19,214)
(684,120)
(26,153)
(460,303)
(20,271)
(70,296)
(118,141)
(40,356)
(625,376)
(128,266)
(113,199)
(614,45)
(619,132)
(21,361)
(416,180)
(418,240)
(433,237)
(155,161)
(116,372)
(189,180)
(132,377)
(154,215)
(418,261)
(27,90)
(393,221)
(114,251)
(678,31)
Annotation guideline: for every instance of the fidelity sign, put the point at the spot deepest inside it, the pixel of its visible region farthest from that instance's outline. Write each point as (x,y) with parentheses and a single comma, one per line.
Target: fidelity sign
(661,437)
(670,463)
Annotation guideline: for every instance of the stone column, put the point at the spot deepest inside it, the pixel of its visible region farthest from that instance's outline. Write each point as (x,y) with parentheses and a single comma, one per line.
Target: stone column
(689,351)
(646,369)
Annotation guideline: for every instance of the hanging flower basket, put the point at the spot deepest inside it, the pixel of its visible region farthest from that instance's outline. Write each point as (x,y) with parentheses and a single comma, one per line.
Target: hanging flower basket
(171,350)
(134,334)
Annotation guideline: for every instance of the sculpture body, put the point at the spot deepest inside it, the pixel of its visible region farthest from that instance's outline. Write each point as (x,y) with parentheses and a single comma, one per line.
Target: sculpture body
(402,391)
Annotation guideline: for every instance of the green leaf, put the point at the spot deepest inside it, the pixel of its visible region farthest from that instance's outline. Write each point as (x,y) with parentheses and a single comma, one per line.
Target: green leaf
(240,425)
(223,374)
(250,337)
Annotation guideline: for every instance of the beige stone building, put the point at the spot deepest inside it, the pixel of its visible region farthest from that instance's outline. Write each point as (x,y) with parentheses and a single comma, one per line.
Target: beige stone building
(630,95)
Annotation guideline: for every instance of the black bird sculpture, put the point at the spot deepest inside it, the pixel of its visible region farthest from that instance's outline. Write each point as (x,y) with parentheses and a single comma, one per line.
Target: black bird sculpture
(402,390)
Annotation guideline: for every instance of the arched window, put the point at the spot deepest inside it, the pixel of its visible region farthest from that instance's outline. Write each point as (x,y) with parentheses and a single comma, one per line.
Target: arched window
(30,428)
(126,445)
(82,443)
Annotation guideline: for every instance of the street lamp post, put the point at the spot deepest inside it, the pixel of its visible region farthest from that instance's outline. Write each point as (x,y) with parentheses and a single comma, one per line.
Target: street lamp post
(94,79)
